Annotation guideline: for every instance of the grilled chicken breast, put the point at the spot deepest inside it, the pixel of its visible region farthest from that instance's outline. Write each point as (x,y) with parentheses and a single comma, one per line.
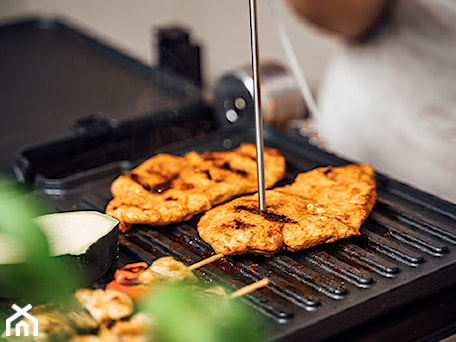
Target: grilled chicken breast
(320,206)
(166,188)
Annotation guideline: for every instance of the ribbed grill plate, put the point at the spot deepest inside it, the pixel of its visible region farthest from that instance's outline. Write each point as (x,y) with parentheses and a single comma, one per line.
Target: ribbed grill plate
(406,251)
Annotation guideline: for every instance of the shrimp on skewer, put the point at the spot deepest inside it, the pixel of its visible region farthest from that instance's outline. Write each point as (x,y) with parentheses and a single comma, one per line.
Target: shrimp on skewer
(137,278)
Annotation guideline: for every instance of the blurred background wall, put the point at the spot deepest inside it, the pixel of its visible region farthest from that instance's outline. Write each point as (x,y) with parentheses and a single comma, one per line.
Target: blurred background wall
(220,27)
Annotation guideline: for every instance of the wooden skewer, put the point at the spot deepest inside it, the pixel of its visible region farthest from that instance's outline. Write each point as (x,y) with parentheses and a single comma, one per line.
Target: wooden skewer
(205,261)
(250,288)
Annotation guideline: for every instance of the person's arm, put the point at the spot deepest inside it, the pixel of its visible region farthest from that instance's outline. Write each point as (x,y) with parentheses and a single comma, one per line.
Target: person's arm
(348,18)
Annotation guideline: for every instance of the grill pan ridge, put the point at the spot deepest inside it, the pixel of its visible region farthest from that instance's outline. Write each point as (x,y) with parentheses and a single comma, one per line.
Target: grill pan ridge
(405,253)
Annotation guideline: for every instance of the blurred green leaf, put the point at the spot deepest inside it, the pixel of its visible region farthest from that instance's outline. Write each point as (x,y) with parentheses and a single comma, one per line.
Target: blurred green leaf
(38,279)
(183,315)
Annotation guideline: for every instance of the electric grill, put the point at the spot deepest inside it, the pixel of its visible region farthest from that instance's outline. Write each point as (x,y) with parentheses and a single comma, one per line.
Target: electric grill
(405,254)
(397,280)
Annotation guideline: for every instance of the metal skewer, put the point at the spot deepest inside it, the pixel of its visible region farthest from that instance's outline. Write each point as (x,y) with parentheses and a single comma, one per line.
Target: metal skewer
(257,103)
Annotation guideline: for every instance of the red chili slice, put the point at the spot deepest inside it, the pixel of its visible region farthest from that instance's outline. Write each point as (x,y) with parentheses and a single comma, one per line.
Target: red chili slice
(128,275)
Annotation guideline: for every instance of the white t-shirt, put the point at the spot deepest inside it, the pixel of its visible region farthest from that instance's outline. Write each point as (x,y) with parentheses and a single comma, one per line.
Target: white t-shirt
(391,101)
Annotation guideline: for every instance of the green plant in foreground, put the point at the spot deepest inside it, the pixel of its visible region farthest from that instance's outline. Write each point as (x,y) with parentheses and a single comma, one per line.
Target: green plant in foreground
(182,314)
(36,279)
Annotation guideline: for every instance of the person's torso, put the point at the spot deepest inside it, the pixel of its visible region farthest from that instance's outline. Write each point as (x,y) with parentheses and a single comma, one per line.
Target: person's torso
(391,101)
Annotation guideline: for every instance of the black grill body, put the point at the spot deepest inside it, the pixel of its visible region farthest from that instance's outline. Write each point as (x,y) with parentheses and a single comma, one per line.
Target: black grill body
(406,252)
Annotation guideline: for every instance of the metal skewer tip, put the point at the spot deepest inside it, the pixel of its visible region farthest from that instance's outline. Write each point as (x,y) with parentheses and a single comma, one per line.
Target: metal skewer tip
(257,103)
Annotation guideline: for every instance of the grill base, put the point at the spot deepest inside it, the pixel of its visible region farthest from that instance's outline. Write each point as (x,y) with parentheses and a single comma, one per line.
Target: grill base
(404,256)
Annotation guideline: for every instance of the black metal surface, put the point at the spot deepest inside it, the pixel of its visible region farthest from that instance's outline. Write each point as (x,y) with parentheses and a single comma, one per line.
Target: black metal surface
(405,256)
(53,73)
(96,143)
(177,55)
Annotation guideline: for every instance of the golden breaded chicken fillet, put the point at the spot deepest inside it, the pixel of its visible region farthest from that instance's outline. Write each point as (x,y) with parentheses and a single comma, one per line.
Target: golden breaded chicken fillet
(166,189)
(320,206)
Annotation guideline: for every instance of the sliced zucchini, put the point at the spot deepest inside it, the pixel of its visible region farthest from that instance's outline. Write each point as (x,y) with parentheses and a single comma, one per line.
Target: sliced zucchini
(85,242)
